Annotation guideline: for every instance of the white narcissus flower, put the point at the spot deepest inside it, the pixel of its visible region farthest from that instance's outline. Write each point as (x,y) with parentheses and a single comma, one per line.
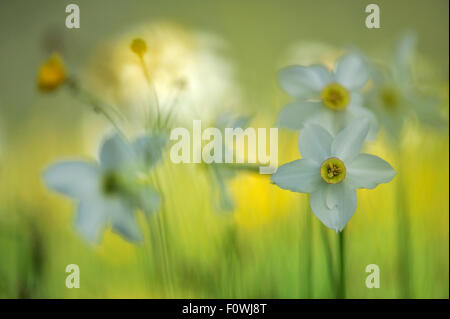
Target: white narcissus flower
(331,169)
(329,99)
(395,98)
(107,193)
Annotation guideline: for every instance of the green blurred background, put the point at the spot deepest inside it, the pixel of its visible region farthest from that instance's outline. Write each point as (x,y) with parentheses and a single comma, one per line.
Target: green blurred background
(271,246)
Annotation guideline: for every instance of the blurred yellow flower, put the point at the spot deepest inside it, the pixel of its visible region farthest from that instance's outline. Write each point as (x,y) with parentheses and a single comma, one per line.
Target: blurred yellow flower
(139,46)
(51,74)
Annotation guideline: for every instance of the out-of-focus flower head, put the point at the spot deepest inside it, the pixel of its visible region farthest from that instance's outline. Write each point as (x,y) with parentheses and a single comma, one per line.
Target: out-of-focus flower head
(139,46)
(51,74)
(331,169)
(189,72)
(107,193)
(395,96)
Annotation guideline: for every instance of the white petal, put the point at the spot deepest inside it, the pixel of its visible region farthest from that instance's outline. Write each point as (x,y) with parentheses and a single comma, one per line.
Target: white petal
(334,204)
(356,111)
(427,110)
(149,148)
(348,142)
(294,115)
(77,179)
(367,171)
(91,219)
(403,57)
(314,143)
(148,200)
(301,176)
(331,121)
(352,71)
(123,219)
(115,152)
(304,81)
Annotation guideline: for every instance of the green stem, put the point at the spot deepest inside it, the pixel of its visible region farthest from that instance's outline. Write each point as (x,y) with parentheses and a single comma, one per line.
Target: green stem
(171,106)
(328,252)
(153,89)
(308,256)
(163,231)
(403,239)
(91,101)
(341,275)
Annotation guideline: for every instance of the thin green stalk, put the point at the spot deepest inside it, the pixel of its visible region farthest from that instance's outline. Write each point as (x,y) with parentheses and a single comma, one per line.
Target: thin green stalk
(403,239)
(341,268)
(171,106)
(328,253)
(305,247)
(162,228)
(162,223)
(153,90)
(88,99)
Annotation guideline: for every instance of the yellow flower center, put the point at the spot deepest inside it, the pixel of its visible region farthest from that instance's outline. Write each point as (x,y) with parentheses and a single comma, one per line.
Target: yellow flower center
(139,46)
(110,183)
(335,96)
(52,74)
(390,98)
(333,170)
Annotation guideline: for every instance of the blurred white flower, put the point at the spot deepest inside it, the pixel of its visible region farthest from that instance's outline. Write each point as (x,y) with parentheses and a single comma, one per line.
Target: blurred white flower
(190,74)
(395,98)
(331,169)
(149,149)
(329,99)
(107,193)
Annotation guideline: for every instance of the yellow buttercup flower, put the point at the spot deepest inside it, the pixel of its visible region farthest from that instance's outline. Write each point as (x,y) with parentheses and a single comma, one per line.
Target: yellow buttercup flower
(51,74)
